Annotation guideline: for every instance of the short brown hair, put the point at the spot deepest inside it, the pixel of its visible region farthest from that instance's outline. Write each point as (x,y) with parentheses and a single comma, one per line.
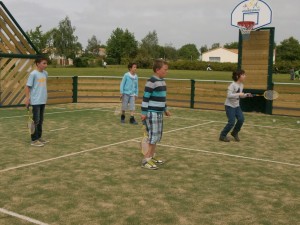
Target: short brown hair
(158,64)
(237,74)
(39,59)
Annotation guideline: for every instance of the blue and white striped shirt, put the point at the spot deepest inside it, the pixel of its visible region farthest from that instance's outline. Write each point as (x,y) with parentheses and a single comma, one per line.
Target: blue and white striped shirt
(154,99)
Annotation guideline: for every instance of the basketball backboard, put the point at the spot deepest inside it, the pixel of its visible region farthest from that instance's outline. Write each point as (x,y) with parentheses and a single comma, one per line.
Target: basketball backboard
(252,10)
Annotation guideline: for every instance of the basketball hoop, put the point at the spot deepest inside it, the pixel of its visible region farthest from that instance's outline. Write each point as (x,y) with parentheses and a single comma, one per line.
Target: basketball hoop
(246,27)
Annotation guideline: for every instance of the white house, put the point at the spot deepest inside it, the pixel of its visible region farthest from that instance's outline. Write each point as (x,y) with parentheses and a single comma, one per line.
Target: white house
(221,55)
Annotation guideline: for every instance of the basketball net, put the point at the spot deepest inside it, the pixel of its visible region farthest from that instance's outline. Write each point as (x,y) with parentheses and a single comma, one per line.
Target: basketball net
(246,27)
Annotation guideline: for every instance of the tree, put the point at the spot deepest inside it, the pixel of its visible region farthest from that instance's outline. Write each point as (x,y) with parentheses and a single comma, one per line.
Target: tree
(189,52)
(149,47)
(232,45)
(93,46)
(289,50)
(203,49)
(121,44)
(168,52)
(38,38)
(215,45)
(64,40)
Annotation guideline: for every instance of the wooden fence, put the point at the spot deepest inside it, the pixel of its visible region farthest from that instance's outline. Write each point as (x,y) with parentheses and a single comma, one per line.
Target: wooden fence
(198,94)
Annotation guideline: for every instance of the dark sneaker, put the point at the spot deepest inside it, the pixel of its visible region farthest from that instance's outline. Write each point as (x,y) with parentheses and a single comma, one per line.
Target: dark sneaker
(157,160)
(225,139)
(122,118)
(236,136)
(132,121)
(43,141)
(149,165)
(37,143)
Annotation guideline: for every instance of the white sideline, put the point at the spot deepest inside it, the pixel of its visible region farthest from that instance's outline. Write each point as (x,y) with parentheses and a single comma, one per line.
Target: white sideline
(79,110)
(28,219)
(106,110)
(89,150)
(230,155)
(63,156)
(63,128)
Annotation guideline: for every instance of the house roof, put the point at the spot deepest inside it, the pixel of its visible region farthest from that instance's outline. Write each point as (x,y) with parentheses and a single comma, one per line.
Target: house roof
(236,51)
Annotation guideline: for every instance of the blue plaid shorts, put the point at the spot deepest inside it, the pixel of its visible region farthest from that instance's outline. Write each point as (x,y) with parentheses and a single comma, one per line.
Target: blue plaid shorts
(154,125)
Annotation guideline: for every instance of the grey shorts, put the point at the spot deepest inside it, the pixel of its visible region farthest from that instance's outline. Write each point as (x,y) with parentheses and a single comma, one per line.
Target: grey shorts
(127,99)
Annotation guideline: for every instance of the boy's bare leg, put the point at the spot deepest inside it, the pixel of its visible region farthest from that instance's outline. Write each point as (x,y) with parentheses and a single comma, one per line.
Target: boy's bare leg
(151,151)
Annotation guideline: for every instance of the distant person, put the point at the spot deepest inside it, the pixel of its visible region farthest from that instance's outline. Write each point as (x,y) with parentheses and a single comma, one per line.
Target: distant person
(276,70)
(297,73)
(292,74)
(208,68)
(104,64)
(36,96)
(129,89)
(232,106)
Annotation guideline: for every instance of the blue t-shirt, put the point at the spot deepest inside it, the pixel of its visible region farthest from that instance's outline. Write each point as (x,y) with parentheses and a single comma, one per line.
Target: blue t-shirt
(37,81)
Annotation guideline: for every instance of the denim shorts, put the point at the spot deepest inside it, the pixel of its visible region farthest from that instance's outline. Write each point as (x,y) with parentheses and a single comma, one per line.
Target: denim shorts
(127,99)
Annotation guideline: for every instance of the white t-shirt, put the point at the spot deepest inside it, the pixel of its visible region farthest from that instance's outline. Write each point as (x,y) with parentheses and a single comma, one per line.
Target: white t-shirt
(233,94)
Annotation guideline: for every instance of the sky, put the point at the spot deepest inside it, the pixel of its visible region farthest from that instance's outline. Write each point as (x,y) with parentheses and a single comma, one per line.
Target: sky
(177,22)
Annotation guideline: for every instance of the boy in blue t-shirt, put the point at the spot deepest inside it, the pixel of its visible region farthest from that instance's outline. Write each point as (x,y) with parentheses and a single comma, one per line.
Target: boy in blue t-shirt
(129,89)
(36,96)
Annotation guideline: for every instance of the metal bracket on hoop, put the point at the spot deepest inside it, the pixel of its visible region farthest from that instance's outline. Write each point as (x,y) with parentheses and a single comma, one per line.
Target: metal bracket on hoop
(246,27)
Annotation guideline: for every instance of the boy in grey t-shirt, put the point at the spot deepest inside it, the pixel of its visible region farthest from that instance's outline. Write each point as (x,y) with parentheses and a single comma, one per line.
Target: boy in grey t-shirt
(232,106)
(36,96)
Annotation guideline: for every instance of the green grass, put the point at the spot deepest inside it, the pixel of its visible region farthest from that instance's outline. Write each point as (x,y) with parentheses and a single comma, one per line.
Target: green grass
(178,74)
(202,182)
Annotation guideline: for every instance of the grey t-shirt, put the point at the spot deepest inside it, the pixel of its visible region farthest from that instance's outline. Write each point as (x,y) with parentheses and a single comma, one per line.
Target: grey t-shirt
(233,94)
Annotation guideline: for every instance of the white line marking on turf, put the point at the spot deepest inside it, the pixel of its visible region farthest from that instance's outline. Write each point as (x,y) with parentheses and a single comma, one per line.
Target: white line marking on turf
(245,124)
(63,156)
(183,128)
(80,110)
(230,155)
(88,150)
(58,129)
(28,219)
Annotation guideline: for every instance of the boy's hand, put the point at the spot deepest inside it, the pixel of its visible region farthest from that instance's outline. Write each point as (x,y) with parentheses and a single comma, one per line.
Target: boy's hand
(167,113)
(143,117)
(121,97)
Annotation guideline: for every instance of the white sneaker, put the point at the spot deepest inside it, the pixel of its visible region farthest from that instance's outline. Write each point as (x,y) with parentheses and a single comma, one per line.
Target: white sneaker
(43,141)
(37,143)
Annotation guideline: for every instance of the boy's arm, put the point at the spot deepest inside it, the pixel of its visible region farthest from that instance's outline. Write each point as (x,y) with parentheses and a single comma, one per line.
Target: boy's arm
(146,97)
(28,85)
(232,94)
(27,94)
(137,87)
(122,84)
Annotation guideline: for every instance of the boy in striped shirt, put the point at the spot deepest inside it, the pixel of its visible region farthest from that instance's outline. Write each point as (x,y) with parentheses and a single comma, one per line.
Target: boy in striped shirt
(153,108)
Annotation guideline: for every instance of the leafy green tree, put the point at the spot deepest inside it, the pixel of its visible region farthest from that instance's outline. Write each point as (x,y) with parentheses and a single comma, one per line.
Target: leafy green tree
(149,47)
(203,49)
(121,44)
(93,46)
(189,52)
(215,45)
(169,52)
(232,45)
(288,50)
(38,38)
(64,39)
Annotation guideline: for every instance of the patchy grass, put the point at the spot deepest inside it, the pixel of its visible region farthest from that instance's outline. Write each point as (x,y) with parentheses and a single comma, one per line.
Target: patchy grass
(90,171)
